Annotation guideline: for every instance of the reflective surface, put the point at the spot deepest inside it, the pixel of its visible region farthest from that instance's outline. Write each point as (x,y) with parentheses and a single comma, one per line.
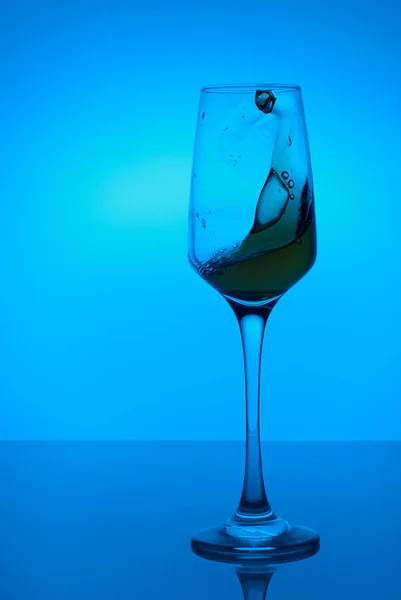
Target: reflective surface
(113,519)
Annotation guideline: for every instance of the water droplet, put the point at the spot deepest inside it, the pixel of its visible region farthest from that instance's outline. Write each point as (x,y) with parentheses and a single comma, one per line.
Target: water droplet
(289,140)
(292,196)
(213,233)
(203,115)
(265,100)
(290,183)
(195,175)
(243,116)
(197,215)
(285,174)
(210,212)
(239,156)
(204,223)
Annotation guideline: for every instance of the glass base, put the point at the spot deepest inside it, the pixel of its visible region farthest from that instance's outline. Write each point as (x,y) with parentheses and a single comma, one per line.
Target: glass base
(274,540)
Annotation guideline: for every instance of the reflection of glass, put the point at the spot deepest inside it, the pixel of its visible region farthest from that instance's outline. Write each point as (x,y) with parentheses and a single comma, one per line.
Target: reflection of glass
(252,236)
(255,575)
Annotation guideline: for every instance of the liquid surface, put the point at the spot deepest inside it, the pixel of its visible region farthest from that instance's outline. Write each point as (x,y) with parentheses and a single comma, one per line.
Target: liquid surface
(255,277)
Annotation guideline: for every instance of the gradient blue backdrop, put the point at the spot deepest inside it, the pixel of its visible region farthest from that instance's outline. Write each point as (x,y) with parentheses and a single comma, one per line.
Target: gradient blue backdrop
(104,330)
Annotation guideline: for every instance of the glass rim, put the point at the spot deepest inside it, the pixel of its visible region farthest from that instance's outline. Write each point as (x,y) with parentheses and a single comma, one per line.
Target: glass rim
(237,88)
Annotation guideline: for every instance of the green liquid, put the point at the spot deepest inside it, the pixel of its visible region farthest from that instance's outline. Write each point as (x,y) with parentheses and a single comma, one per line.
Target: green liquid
(263,276)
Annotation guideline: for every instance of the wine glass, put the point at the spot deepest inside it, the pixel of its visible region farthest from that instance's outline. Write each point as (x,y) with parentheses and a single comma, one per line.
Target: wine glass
(252,236)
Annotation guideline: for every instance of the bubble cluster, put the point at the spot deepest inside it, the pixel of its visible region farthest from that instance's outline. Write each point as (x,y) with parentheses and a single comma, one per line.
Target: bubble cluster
(223,132)
(234,158)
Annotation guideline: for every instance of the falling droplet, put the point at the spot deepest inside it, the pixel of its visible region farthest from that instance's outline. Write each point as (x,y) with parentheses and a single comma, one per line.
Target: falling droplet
(210,212)
(290,183)
(197,215)
(265,100)
(285,174)
(204,223)
(203,115)
(289,141)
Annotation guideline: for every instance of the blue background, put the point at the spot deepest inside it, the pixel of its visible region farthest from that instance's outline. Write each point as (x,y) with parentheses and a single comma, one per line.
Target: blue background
(104,330)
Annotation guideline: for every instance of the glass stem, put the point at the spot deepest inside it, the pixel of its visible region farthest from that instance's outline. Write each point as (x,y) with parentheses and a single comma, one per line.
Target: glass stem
(254,584)
(254,502)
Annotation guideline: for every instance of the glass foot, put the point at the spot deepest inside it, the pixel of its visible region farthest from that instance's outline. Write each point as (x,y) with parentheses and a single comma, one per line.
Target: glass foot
(274,540)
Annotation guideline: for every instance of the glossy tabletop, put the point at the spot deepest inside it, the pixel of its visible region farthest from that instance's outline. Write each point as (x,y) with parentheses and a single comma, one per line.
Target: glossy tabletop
(112,520)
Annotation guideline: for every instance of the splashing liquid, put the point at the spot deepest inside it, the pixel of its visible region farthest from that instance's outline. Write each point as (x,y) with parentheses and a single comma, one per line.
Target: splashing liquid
(260,277)
(252,275)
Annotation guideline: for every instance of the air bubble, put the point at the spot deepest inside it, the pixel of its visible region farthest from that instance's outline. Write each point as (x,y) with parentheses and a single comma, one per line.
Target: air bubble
(290,183)
(299,241)
(285,174)
(292,196)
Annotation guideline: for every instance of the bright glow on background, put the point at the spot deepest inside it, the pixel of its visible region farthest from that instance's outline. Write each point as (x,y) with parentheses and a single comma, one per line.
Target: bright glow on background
(104,330)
